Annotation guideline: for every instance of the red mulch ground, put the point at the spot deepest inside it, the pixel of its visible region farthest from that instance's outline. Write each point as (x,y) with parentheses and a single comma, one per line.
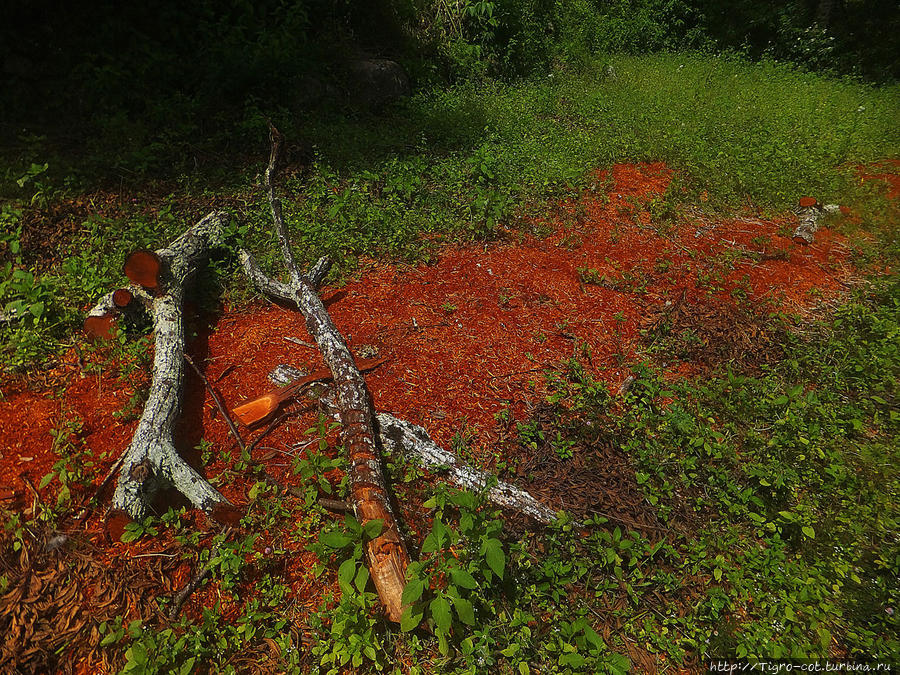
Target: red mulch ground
(465,337)
(887,171)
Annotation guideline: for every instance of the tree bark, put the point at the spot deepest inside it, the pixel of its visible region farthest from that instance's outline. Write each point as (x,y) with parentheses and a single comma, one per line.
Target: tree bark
(151,460)
(387,554)
(411,440)
(805,233)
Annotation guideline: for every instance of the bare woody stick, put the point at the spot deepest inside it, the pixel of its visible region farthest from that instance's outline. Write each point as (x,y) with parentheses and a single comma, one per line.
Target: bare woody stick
(387,555)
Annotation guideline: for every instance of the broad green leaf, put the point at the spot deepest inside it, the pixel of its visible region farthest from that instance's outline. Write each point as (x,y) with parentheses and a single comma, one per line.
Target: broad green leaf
(618,664)
(412,591)
(362,578)
(573,660)
(443,645)
(335,539)
(494,556)
(464,610)
(593,637)
(411,618)
(440,612)
(346,572)
(352,524)
(462,578)
(809,531)
(431,544)
(45,481)
(373,528)
(136,654)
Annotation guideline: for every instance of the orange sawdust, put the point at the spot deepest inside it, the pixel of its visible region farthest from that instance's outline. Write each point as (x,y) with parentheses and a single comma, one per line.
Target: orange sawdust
(468,336)
(83,412)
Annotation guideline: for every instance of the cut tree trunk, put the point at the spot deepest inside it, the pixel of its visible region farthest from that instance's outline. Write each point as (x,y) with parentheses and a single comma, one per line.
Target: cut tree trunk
(151,460)
(387,555)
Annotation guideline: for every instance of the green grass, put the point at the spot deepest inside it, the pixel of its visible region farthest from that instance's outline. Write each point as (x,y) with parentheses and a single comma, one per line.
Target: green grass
(460,161)
(793,475)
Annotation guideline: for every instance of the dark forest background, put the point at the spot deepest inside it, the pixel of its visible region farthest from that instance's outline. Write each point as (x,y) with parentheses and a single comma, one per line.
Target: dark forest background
(192,69)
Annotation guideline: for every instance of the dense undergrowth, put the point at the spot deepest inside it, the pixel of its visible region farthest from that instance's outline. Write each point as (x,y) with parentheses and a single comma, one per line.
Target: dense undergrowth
(462,162)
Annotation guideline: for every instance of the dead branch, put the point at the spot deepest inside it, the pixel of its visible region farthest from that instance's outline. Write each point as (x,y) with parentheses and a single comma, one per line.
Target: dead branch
(387,555)
(811,212)
(151,460)
(411,440)
(218,401)
(195,582)
(86,509)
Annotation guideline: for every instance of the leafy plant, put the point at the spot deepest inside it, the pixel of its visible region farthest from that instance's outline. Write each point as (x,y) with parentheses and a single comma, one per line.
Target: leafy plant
(353,637)
(456,570)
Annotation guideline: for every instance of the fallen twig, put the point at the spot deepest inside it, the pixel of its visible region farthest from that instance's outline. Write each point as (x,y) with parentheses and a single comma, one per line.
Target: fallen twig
(222,409)
(82,516)
(195,582)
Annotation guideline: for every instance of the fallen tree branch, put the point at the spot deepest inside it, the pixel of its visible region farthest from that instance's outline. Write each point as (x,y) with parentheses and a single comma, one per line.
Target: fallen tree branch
(195,582)
(810,212)
(151,460)
(411,440)
(398,436)
(221,406)
(86,509)
(386,554)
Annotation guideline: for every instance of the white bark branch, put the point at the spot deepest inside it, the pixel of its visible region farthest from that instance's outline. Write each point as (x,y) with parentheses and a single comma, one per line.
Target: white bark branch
(411,440)
(387,554)
(151,460)
(809,221)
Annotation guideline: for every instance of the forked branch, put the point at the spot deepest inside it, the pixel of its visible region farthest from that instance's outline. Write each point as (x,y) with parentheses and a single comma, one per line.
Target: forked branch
(386,554)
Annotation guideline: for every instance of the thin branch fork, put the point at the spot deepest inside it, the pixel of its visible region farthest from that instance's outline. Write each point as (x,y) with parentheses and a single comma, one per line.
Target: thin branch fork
(387,554)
